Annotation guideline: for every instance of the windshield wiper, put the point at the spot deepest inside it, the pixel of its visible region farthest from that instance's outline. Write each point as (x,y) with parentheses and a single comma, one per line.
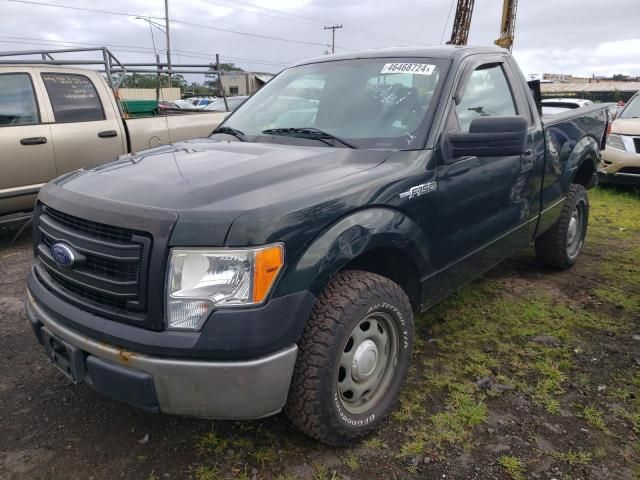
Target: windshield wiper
(309,132)
(231,131)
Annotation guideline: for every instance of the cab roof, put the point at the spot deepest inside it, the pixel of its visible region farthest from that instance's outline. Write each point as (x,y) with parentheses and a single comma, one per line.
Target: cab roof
(438,51)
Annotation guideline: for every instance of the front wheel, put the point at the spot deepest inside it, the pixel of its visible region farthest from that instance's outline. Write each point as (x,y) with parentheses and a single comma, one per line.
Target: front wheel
(353,358)
(559,246)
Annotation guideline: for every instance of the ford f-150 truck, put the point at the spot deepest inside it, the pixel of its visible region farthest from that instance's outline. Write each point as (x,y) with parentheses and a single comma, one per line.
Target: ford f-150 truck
(56,119)
(267,268)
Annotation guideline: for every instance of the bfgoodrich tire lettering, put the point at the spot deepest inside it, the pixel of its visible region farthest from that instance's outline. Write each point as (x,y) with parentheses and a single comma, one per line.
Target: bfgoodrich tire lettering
(351,305)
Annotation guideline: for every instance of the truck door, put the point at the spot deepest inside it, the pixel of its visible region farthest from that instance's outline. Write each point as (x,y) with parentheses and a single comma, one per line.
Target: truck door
(86,131)
(485,203)
(26,161)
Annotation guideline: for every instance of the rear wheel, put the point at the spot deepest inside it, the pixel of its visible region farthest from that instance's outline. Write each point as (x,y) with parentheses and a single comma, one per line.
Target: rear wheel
(560,246)
(353,358)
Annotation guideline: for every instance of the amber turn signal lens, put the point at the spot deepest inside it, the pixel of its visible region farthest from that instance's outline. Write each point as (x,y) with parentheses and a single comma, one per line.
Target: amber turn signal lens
(268,263)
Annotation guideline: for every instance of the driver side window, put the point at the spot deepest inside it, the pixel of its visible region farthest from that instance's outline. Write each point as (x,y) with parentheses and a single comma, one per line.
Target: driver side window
(486,94)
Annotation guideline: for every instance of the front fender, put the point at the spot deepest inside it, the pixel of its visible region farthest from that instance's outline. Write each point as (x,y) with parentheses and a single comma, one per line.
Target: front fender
(349,237)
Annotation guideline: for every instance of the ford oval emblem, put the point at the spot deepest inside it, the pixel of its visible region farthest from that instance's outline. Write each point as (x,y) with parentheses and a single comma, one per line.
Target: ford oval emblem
(63,255)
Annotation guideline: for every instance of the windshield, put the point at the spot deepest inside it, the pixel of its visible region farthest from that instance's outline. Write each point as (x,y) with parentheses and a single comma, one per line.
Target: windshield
(632,110)
(371,103)
(218,104)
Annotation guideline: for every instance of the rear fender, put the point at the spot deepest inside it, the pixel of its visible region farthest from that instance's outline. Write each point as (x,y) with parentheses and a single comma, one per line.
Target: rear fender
(350,237)
(586,150)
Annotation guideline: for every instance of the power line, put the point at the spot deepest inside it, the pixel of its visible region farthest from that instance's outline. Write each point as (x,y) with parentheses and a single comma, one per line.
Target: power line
(83,9)
(133,49)
(254,11)
(182,22)
(256,35)
(308,20)
(444,29)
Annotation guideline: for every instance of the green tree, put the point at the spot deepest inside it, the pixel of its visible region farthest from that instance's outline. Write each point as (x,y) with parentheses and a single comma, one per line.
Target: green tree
(212,78)
(151,80)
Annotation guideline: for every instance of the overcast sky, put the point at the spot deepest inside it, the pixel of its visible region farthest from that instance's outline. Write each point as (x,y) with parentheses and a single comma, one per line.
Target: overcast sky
(580,37)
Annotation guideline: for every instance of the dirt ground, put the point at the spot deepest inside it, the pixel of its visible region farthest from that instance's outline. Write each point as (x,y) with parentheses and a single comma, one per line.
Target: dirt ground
(526,373)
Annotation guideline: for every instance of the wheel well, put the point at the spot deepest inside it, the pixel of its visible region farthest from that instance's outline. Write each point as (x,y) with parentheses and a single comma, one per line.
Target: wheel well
(585,172)
(394,265)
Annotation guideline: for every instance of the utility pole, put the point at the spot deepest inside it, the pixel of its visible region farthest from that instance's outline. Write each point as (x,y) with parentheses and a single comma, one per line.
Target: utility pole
(333,29)
(220,85)
(166,17)
(158,77)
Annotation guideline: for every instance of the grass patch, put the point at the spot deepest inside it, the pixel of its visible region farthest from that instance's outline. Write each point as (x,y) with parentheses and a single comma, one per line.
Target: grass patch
(352,463)
(212,443)
(206,473)
(613,210)
(373,443)
(593,416)
(414,447)
(631,303)
(454,425)
(265,455)
(573,457)
(512,466)
(321,472)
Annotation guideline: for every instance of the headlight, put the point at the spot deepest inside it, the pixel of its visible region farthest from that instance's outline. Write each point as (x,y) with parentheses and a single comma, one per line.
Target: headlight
(200,279)
(615,141)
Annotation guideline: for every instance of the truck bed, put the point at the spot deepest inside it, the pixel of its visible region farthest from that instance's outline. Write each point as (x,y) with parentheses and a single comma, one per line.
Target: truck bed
(590,111)
(150,132)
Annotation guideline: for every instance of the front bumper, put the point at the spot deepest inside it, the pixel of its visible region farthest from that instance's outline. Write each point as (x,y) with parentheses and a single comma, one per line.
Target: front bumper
(212,389)
(619,167)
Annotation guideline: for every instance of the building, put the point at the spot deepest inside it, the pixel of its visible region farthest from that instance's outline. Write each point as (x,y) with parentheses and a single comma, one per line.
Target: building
(599,91)
(244,83)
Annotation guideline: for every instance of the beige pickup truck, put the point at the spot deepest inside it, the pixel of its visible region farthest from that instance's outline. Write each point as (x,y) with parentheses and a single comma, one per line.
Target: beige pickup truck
(56,119)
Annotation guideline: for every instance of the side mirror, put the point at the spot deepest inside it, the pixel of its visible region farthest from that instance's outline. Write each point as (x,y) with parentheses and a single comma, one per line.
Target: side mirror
(491,137)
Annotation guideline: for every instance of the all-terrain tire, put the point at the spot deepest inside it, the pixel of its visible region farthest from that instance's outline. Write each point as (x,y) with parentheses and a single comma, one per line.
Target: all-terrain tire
(554,247)
(315,404)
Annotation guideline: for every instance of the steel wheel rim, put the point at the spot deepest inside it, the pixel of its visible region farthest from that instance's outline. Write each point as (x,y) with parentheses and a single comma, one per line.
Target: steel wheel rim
(575,231)
(367,363)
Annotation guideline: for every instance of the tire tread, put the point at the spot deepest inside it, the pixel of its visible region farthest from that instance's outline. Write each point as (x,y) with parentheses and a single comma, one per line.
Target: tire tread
(306,403)
(551,248)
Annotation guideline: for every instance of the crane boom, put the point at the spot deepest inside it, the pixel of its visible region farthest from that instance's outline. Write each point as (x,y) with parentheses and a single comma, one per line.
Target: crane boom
(508,24)
(462,22)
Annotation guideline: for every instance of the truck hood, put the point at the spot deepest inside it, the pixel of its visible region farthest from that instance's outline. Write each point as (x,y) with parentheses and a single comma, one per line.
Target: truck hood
(196,174)
(626,126)
(209,183)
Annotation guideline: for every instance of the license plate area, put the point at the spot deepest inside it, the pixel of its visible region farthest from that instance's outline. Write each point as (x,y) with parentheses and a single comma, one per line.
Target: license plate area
(67,358)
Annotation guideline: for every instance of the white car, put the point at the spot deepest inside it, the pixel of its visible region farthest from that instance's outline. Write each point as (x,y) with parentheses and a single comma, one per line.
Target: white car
(551,106)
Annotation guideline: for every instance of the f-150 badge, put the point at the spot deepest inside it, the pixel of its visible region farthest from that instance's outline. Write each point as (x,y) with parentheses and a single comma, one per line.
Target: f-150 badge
(419,190)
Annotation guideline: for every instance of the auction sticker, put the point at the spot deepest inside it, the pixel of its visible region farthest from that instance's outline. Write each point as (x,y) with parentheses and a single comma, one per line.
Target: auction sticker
(415,68)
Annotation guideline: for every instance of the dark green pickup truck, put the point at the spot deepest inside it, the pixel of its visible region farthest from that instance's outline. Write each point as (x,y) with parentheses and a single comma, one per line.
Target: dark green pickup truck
(279,263)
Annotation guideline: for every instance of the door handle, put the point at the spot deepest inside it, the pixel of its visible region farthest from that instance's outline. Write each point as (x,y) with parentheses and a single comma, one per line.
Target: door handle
(455,171)
(108,133)
(33,141)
